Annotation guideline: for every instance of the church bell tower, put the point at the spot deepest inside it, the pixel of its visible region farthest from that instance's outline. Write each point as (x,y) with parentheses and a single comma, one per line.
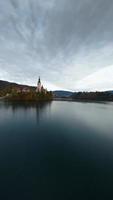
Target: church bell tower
(39,86)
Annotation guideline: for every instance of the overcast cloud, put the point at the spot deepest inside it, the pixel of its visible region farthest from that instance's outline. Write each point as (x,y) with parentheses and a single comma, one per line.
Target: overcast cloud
(69,43)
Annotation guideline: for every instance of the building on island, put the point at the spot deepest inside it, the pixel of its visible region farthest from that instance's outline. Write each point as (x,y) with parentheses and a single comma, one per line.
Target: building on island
(25,90)
(22,90)
(40,87)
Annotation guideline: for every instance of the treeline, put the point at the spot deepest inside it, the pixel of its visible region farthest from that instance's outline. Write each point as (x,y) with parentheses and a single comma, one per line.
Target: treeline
(5,90)
(30,96)
(93,96)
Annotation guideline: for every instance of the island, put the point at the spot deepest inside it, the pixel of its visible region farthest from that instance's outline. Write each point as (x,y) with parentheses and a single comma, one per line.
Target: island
(16,92)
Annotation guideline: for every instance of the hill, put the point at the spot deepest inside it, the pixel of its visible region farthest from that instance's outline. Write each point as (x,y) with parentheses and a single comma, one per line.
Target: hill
(62,94)
(6,84)
(7,87)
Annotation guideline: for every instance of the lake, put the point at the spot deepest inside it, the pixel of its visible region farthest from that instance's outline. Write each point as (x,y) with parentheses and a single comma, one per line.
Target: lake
(56,150)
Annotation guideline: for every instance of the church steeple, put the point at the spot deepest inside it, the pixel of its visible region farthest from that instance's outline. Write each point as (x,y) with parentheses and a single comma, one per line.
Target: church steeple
(39,81)
(39,86)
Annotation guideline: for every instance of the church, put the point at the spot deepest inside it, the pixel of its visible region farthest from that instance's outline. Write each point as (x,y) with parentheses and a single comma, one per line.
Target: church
(40,87)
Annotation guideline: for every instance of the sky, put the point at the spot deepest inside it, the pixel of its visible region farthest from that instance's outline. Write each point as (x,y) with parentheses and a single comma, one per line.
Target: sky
(69,43)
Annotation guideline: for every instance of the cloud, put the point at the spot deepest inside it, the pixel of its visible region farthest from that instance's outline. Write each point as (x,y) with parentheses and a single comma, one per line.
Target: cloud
(62,41)
(98,81)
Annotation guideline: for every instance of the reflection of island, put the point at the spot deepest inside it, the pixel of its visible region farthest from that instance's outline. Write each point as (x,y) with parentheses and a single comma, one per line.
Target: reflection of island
(42,110)
(39,110)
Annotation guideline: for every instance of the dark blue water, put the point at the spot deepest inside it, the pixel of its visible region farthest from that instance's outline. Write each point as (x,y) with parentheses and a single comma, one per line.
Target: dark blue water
(57,150)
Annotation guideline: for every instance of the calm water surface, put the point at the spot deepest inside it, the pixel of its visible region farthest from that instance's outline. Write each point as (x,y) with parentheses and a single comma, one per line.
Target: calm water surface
(58,150)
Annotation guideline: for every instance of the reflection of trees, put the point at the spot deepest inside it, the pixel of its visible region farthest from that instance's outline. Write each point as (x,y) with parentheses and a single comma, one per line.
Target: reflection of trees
(40,107)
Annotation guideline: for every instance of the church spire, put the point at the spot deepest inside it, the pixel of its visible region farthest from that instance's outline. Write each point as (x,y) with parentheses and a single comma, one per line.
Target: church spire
(38,89)
(39,81)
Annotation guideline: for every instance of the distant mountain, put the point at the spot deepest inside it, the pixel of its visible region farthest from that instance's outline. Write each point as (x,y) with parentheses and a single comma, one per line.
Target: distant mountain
(61,93)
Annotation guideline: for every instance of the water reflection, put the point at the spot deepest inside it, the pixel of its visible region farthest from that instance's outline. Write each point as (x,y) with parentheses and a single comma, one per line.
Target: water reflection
(39,109)
(42,109)
(55,150)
